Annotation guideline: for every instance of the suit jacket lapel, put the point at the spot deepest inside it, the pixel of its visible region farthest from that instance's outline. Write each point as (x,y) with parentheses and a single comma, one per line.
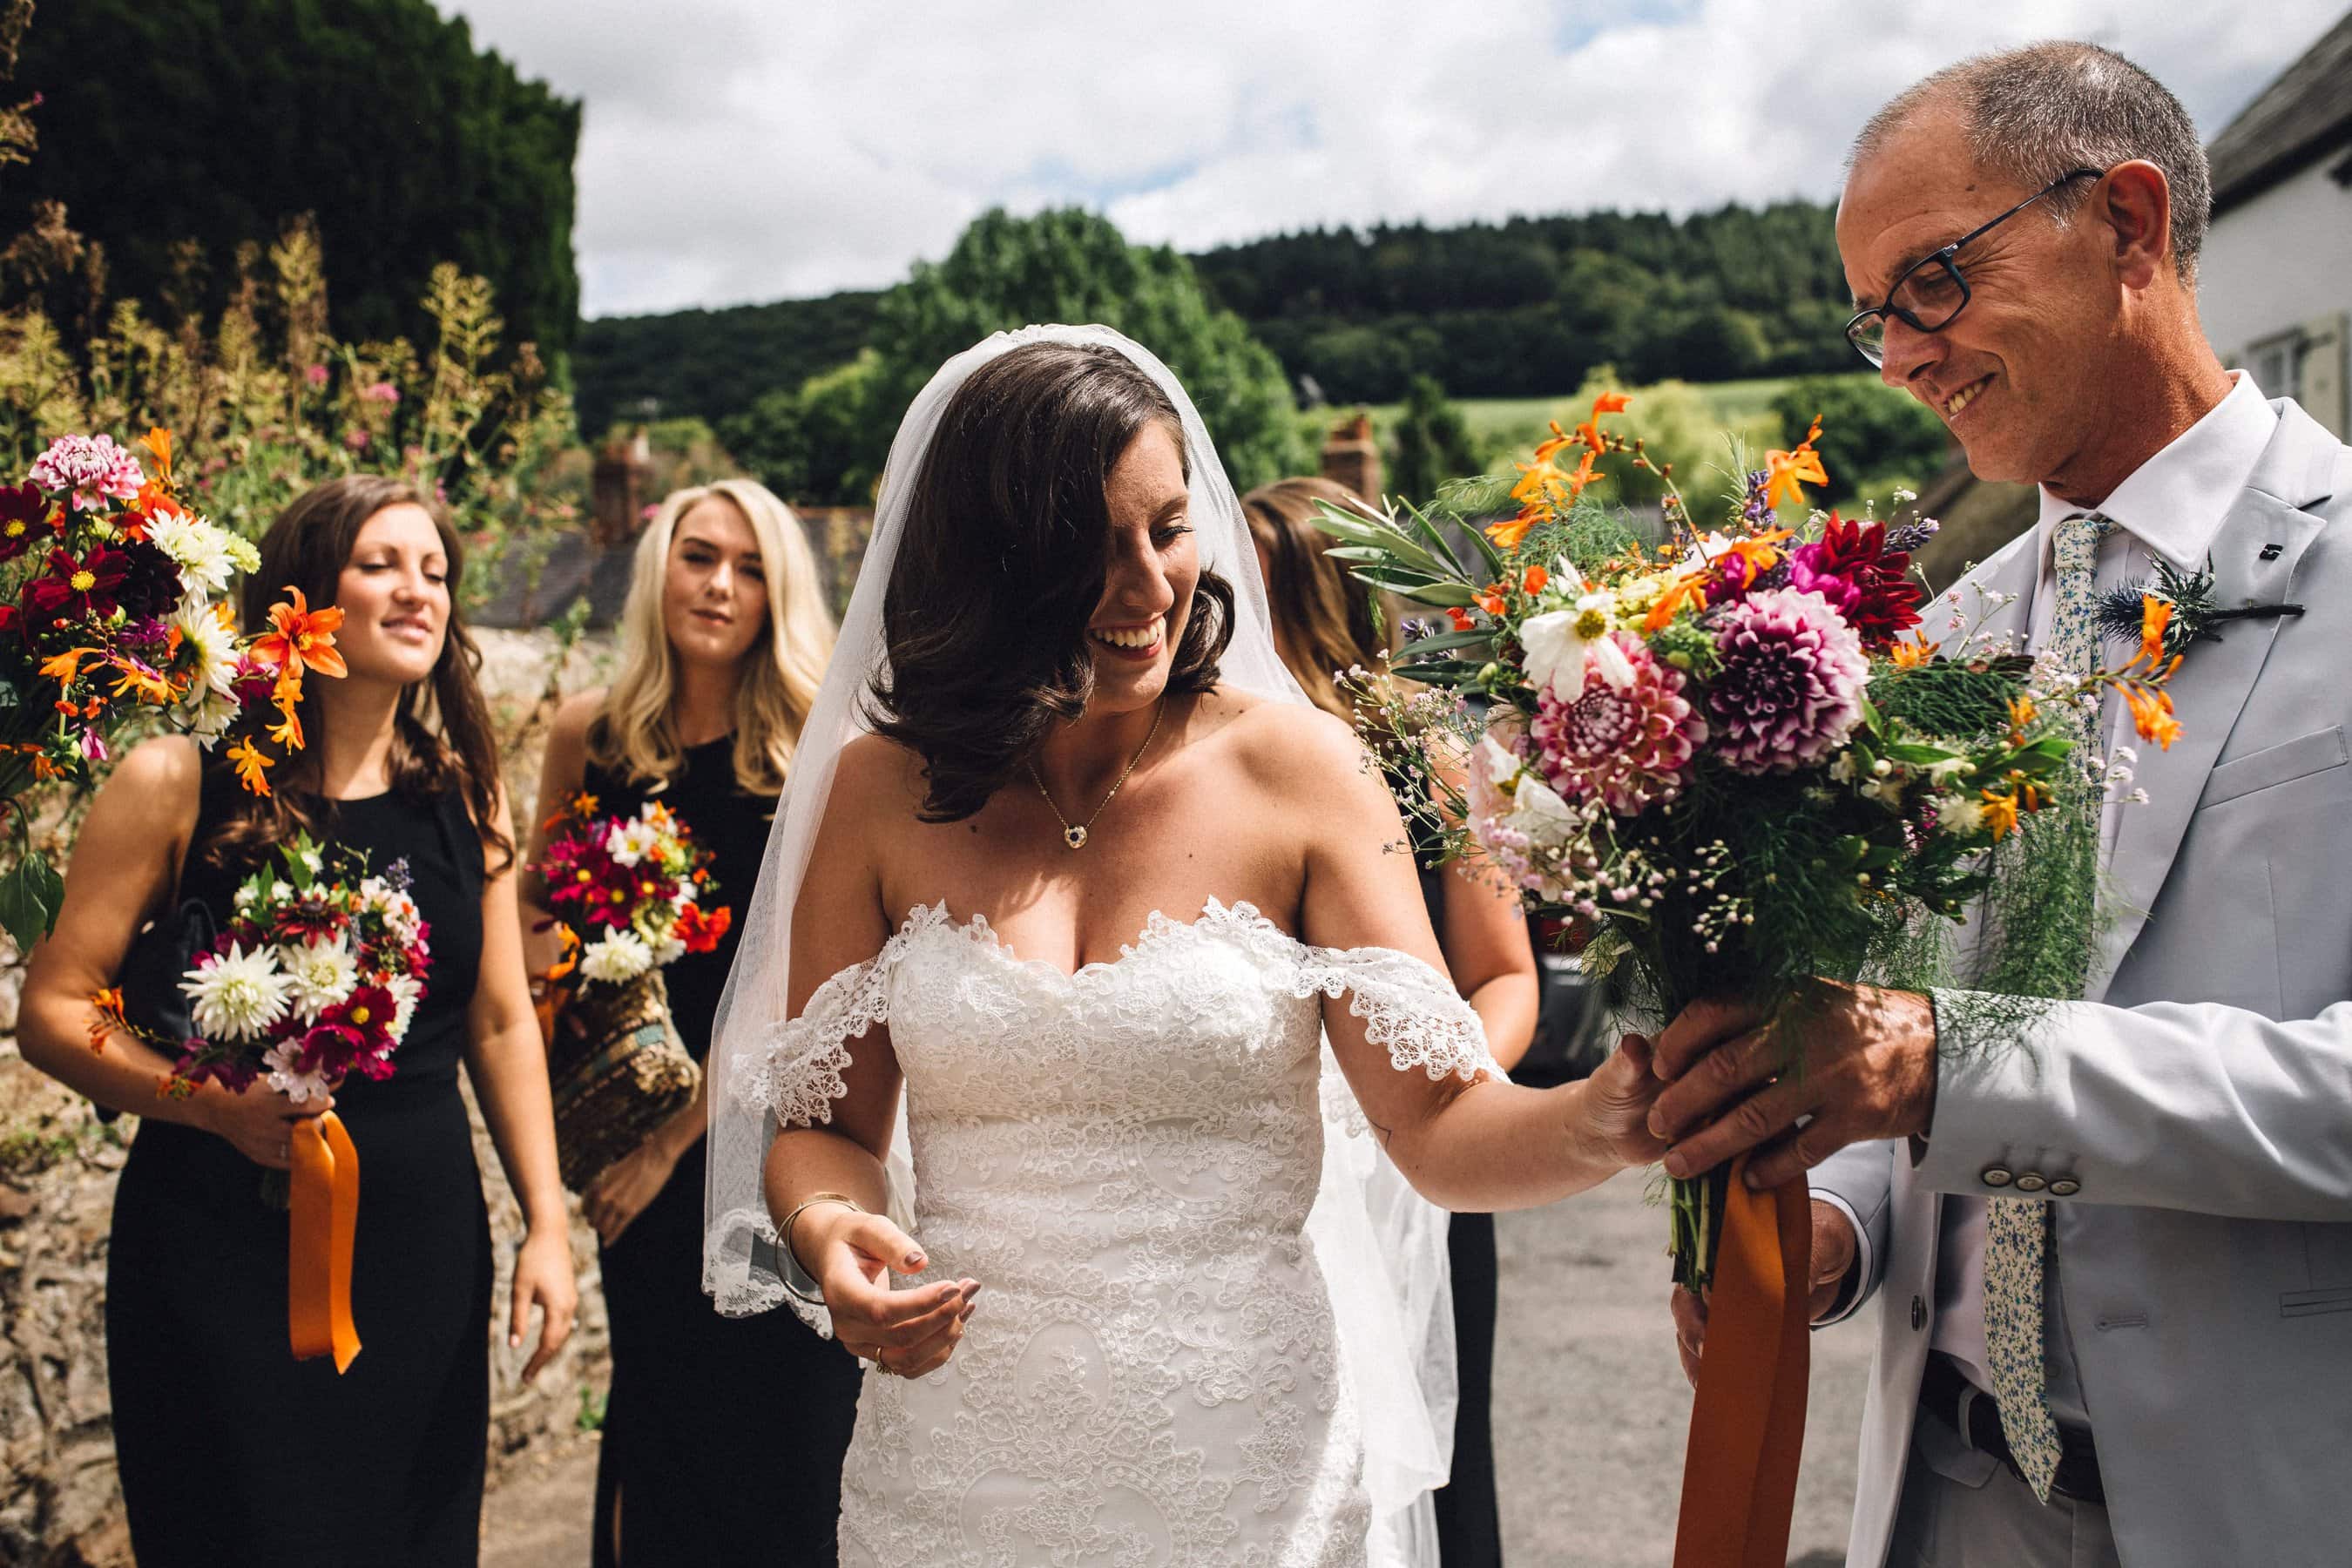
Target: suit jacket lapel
(2215,680)
(1996,598)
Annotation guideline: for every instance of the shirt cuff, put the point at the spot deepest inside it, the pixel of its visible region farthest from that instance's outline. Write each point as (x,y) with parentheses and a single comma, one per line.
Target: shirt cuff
(1850,1291)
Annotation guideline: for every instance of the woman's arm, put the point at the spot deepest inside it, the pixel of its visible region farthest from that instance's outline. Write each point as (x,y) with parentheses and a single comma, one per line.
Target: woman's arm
(1493,964)
(839,922)
(125,868)
(507,1063)
(562,770)
(1480,1145)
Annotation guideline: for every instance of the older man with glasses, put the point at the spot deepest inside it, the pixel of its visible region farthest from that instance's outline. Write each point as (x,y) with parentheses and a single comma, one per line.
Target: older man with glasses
(2113,1259)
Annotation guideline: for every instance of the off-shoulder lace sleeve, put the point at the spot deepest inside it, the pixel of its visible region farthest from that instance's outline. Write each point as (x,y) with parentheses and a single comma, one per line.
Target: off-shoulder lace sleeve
(793,1078)
(798,1075)
(1410,1010)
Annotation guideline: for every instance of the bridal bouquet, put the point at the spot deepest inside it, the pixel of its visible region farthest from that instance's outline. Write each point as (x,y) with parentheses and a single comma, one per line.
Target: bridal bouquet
(1730,751)
(638,887)
(111,608)
(317,976)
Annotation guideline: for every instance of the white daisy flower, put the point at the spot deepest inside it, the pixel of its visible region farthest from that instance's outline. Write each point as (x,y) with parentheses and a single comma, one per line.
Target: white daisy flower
(207,630)
(235,996)
(616,956)
(631,842)
(214,713)
(406,990)
(299,1087)
(319,974)
(199,550)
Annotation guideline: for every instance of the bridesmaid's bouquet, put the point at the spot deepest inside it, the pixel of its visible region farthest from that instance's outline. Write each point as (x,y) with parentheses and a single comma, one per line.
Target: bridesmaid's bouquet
(631,897)
(113,609)
(317,976)
(1728,751)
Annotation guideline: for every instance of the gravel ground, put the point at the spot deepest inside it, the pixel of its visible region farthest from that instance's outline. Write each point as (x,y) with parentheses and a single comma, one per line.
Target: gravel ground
(1590,1410)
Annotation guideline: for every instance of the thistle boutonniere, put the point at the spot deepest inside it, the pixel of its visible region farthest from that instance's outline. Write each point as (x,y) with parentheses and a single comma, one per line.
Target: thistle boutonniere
(2177,606)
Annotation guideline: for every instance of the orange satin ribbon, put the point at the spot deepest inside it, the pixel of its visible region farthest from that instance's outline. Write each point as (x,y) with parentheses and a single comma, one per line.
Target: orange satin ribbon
(325,1207)
(1747,1423)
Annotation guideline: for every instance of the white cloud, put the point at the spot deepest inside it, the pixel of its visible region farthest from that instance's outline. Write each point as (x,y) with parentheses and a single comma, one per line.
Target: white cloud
(735,151)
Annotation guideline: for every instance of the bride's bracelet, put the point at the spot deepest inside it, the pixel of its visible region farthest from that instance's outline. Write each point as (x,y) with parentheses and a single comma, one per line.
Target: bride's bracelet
(797,1278)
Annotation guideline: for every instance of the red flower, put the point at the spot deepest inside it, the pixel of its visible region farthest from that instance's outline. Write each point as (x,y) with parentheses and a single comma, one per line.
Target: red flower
(701,932)
(1869,584)
(79,589)
(24,520)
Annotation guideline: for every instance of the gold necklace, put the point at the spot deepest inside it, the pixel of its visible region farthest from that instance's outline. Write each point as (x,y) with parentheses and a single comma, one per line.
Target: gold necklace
(1074,834)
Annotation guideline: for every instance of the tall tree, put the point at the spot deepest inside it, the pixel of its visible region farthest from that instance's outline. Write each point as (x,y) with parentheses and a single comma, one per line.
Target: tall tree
(216,120)
(1073,265)
(1432,443)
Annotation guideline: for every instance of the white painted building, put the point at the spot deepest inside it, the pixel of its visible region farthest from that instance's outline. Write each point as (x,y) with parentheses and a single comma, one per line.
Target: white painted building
(2274,287)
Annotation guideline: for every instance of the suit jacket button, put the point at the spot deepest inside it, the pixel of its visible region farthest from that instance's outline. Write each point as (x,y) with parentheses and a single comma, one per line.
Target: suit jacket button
(1918,1314)
(1998,1175)
(2032,1181)
(2064,1187)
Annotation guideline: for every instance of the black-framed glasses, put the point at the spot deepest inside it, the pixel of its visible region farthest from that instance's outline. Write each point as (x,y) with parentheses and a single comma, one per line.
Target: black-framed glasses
(1931,291)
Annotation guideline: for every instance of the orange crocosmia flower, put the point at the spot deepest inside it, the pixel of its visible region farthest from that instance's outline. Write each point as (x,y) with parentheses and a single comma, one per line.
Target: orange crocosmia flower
(2152,714)
(251,766)
(1533,583)
(1612,402)
(63,668)
(1511,530)
(157,442)
(300,638)
(1460,617)
(1672,597)
(1558,439)
(2001,814)
(1492,602)
(2155,615)
(106,1017)
(1911,652)
(133,679)
(288,730)
(1585,474)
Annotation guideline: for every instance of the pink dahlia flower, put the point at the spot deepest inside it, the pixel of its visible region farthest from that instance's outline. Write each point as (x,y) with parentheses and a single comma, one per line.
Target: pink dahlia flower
(93,467)
(1628,745)
(1790,688)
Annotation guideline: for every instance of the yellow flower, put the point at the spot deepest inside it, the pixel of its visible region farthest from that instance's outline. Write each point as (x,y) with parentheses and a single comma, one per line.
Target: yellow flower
(2000,813)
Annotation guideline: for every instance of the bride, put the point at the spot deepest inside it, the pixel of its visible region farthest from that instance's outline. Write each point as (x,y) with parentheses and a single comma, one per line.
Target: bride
(1068,854)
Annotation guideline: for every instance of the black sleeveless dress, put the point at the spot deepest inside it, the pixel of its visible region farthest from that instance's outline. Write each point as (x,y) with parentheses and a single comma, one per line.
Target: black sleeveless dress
(232,1452)
(1469,1521)
(723,1438)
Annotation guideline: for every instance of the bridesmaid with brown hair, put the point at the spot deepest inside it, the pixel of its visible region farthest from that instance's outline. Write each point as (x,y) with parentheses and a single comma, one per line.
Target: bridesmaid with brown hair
(1323,622)
(231,1451)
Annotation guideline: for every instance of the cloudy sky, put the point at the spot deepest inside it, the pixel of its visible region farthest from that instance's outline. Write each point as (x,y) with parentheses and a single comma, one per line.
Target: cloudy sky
(749,150)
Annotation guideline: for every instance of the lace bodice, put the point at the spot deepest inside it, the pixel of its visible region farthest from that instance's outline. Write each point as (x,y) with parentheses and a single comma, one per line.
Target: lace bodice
(1125,1158)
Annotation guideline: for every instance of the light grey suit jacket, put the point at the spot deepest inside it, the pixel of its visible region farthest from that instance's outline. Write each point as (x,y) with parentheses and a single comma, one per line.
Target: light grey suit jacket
(2196,1109)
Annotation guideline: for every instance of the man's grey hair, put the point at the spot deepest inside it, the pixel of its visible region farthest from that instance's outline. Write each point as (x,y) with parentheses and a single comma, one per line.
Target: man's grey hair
(2036,113)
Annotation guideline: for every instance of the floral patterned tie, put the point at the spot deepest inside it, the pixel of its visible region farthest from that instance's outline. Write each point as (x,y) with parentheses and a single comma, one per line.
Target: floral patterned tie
(2017,1231)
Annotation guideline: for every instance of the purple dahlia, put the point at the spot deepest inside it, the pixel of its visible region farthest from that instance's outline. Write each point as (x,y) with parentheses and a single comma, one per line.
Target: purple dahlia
(1626,745)
(1791,687)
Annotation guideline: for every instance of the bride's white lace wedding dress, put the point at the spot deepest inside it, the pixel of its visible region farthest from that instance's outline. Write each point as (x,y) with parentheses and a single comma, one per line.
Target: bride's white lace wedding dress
(1125,1158)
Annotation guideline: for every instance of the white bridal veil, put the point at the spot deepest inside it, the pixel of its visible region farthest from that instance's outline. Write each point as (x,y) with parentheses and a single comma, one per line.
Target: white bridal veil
(1381,1247)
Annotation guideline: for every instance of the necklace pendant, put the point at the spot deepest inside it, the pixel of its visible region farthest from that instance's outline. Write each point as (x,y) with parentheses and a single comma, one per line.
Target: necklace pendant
(1076,837)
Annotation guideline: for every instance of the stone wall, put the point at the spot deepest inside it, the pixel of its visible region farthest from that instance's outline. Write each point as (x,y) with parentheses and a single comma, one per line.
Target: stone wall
(60,1505)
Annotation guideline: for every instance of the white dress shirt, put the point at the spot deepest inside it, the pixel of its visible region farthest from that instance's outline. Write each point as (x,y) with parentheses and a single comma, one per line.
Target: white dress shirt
(2172,505)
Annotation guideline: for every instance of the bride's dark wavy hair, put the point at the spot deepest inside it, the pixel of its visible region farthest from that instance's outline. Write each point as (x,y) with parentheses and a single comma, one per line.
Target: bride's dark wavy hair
(1003,563)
